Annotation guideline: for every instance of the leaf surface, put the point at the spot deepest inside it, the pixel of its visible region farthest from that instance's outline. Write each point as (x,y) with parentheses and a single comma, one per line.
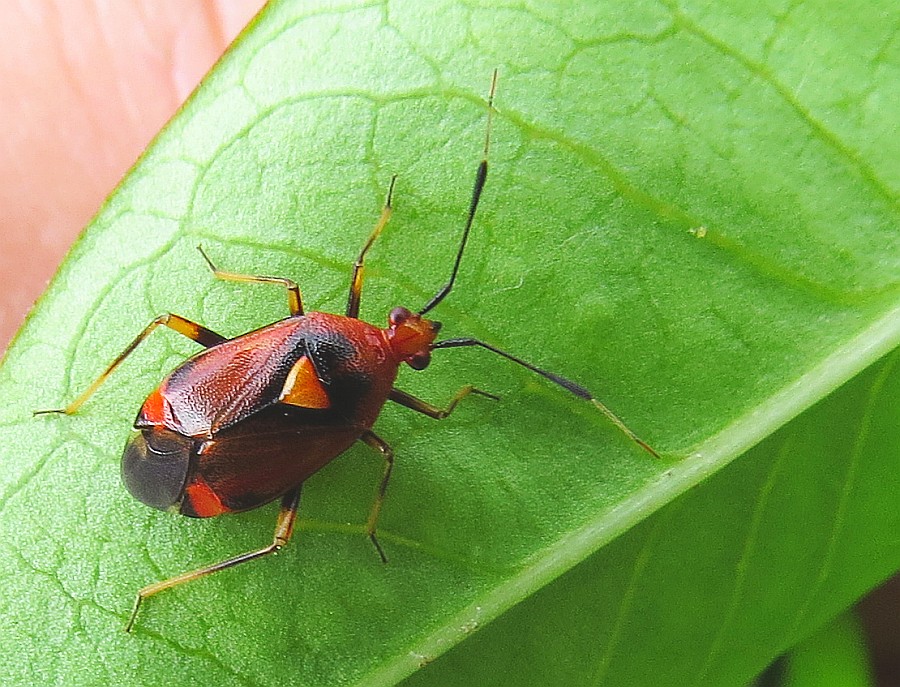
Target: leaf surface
(691,212)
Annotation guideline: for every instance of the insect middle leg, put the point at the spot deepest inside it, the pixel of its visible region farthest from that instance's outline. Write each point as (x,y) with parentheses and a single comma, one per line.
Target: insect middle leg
(356,281)
(371,439)
(284,527)
(295,300)
(430,410)
(192,330)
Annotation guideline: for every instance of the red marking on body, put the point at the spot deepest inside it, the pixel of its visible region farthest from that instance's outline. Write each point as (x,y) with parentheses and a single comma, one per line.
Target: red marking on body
(203,499)
(156,409)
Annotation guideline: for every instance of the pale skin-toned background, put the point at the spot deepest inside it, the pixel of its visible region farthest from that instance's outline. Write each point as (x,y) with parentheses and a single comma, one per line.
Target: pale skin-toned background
(84,86)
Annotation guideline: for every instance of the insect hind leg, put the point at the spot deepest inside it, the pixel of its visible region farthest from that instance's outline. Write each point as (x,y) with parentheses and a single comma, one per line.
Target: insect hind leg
(284,527)
(182,325)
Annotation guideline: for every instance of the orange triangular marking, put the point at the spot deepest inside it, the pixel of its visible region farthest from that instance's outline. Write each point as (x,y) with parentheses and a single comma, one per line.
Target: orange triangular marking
(303,388)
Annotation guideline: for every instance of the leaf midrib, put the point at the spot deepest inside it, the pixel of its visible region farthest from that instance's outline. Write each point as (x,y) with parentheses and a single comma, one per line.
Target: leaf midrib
(694,465)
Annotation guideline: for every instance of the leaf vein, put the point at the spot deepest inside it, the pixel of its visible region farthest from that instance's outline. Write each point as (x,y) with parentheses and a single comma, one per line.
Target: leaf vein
(828,137)
(844,498)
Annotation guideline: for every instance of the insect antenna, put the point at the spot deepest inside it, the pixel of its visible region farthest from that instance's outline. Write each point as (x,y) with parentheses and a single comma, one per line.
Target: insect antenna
(566,384)
(480,177)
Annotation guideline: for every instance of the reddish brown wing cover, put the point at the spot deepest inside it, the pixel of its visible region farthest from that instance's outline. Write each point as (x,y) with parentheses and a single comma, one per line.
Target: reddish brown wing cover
(225,384)
(261,458)
(249,447)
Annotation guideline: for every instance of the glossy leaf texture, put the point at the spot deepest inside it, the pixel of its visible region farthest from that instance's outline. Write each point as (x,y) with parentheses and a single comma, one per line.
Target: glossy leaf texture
(691,211)
(746,566)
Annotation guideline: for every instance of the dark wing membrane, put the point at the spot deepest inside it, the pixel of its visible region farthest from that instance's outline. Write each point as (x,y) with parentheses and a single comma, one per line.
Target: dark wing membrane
(155,466)
(227,383)
(266,455)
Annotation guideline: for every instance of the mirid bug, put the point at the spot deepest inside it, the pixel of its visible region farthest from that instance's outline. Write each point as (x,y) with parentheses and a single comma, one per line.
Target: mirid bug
(249,419)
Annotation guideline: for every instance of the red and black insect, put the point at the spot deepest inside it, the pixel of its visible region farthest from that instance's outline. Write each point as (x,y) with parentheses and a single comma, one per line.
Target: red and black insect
(249,419)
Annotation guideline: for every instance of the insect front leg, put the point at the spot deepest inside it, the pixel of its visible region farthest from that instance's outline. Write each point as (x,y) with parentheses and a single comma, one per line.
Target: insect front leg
(430,410)
(371,439)
(356,281)
(566,384)
(295,300)
(284,527)
(192,330)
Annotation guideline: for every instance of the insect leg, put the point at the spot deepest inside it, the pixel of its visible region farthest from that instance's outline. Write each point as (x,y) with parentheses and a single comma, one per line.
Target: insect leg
(356,281)
(284,527)
(566,384)
(192,330)
(371,439)
(295,300)
(426,408)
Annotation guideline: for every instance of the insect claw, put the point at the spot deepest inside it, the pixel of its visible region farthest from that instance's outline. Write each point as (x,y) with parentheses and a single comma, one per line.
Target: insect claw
(486,394)
(49,411)
(378,548)
(209,262)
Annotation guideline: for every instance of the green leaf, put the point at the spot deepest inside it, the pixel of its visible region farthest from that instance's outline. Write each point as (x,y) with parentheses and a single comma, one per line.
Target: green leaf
(834,657)
(711,588)
(691,210)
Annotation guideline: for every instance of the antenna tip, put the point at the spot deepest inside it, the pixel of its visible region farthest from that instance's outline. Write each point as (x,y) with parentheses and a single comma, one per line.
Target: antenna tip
(649,449)
(624,428)
(494,76)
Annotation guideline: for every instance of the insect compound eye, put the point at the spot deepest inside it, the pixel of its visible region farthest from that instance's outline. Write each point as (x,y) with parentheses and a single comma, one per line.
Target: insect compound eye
(398,316)
(419,361)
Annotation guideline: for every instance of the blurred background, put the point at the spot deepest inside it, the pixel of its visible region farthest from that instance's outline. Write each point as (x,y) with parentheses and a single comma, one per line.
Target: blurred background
(84,87)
